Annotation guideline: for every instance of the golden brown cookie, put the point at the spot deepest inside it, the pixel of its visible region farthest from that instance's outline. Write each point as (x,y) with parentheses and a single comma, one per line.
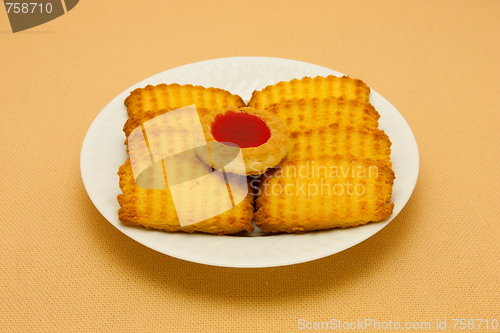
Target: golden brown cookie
(154,208)
(359,141)
(318,87)
(304,114)
(333,192)
(173,96)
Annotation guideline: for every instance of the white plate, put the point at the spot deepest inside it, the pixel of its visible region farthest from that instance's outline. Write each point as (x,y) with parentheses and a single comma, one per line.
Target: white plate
(103,152)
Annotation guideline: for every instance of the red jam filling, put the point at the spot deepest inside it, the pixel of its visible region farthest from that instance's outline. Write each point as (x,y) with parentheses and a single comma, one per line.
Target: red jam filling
(243,129)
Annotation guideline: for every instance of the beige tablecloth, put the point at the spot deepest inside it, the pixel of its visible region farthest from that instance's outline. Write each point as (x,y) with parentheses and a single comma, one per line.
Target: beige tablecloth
(65,268)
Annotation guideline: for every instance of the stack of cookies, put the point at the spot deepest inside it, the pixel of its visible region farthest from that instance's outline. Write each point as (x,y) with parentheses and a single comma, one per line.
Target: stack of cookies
(153,200)
(336,173)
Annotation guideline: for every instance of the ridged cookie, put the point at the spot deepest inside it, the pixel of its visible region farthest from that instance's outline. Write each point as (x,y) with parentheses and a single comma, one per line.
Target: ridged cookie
(317,87)
(173,96)
(334,192)
(321,142)
(155,208)
(303,114)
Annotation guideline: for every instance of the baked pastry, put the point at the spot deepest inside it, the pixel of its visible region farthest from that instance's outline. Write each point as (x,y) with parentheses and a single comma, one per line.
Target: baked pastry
(173,96)
(144,104)
(321,142)
(318,87)
(261,136)
(315,142)
(332,192)
(156,208)
(331,126)
(303,114)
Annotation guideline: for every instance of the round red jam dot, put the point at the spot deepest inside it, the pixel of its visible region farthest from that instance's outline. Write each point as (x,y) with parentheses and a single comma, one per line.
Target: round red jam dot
(243,129)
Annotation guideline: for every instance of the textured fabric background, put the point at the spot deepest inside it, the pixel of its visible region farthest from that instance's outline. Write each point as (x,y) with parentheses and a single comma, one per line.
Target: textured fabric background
(65,268)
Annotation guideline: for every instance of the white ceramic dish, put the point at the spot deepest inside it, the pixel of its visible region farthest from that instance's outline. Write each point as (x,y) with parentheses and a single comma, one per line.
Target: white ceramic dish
(103,152)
